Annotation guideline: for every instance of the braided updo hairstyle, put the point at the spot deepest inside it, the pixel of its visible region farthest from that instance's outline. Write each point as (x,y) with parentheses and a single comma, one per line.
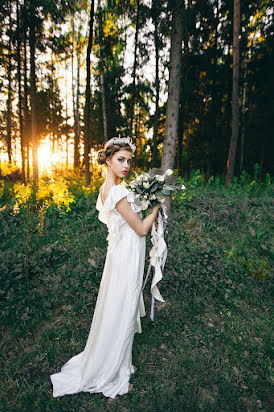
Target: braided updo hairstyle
(109,151)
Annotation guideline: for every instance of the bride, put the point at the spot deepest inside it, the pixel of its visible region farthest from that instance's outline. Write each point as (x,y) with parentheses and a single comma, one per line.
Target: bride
(105,364)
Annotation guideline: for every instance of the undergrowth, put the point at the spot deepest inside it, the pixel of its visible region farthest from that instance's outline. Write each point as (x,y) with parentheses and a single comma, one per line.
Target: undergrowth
(209,347)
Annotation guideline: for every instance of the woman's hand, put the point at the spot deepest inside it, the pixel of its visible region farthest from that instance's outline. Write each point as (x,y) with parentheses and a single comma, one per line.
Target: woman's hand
(156,208)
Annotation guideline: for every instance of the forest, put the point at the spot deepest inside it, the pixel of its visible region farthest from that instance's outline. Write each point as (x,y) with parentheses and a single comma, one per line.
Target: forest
(74,74)
(191,83)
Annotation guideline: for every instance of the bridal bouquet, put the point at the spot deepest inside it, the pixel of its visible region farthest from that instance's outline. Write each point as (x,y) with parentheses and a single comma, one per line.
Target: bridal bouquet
(153,187)
(149,189)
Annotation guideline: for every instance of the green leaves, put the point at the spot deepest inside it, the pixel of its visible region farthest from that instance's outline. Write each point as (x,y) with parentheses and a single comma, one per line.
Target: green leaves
(170,188)
(166,191)
(153,172)
(171,180)
(154,187)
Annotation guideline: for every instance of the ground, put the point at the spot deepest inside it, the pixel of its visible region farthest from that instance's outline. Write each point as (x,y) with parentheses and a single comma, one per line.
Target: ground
(209,346)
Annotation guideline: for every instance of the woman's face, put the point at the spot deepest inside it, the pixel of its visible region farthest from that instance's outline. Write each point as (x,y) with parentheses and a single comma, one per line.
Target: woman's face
(120,162)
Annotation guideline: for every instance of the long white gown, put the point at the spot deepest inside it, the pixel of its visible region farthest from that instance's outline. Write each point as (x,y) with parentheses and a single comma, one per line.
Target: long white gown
(105,365)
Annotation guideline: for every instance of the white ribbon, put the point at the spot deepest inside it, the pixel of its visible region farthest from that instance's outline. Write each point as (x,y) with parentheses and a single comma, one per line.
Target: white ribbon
(158,255)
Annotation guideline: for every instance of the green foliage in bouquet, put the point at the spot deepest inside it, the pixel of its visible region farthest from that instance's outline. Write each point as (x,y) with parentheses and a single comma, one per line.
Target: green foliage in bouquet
(152,187)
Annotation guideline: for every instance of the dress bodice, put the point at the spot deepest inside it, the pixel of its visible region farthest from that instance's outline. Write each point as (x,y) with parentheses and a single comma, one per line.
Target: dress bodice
(109,215)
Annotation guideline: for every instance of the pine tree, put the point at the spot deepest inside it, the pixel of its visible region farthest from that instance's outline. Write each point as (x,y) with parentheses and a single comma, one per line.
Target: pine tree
(235,96)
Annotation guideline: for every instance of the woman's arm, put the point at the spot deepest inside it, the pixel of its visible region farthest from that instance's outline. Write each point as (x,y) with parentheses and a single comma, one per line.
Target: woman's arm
(141,227)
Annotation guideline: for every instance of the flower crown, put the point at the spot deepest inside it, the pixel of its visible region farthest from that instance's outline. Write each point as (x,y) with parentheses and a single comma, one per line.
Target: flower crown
(119,139)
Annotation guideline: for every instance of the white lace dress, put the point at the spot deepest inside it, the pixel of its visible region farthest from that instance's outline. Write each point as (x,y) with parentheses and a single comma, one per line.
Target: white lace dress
(105,365)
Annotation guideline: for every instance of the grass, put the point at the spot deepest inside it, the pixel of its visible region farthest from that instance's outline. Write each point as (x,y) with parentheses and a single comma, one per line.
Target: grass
(209,347)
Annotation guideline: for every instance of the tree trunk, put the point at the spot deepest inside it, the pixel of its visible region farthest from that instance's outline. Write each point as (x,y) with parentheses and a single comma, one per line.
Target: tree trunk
(77,123)
(32,44)
(235,96)
(102,76)
(173,86)
(213,132)
(243,120)
(87,106)
(172,116)
(261,162)
(25,104)
(180,141)
(134,70)
(51,110)
(182,101)
(157,84)
(67,126)
(75,103)
(9,93)
(20,115)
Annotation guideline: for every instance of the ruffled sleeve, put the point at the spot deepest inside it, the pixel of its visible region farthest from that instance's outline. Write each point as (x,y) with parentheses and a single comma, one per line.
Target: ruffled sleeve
(115,194)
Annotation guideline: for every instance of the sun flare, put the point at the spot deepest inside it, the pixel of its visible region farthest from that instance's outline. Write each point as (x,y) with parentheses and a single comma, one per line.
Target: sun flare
(45,156)
(49,160)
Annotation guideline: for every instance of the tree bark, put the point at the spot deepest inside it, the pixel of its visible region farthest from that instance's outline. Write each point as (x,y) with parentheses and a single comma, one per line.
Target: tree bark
(134,70)
(51,109)
(32,44)
(87,105)
(20,115)
(77,123)
(182,103)
(9,93)
(180,140)
(102,76)
(213,132)
(173,86)
(157,84)
(235,96)
(67,126)
(172,116)
(243,120)
(25,104)
(75,102)
(261,162)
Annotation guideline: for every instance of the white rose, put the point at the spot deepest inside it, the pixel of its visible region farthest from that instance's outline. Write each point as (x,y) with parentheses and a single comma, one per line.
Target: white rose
(183,187)
(169,172)
(145,204)
(161,198)
(152,197)
(145,196)
(137,196)
(160,178)
(146,185)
